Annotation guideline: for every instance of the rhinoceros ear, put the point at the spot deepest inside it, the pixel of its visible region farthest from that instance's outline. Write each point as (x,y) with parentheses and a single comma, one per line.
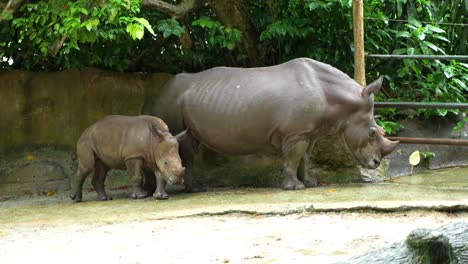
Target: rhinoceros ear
(372,88)
(181,136)
(156,132)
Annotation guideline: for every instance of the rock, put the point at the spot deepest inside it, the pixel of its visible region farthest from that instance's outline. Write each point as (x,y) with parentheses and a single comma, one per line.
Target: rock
(445,245)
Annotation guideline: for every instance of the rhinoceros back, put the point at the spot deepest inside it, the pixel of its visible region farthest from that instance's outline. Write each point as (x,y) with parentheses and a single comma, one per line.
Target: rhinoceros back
(115,139)
(242,110)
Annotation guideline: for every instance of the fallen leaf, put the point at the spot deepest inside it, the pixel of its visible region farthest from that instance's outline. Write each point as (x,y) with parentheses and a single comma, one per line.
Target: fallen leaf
(256,216)
(415,158)
(226,261)
(332,190)
(30,157)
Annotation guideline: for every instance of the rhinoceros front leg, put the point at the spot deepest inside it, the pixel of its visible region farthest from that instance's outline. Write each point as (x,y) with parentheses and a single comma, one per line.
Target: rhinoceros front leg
(303,170)
(187,146)
(135,170)
(292,155)
(160,193)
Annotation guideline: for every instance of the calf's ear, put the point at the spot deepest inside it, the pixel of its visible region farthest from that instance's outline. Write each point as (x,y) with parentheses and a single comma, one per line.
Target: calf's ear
(181,136)
(156,132)
(372,87)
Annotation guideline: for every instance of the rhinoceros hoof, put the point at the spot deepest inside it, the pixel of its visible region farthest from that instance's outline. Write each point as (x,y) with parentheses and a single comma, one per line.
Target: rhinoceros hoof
(310,183)
(293,185)
(160,196)
(104,198)
(139,195)
(76,198)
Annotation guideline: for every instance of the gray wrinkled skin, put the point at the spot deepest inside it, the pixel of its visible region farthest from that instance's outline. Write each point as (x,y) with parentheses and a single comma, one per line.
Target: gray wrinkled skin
(132,143)
(445,245)
(283,108)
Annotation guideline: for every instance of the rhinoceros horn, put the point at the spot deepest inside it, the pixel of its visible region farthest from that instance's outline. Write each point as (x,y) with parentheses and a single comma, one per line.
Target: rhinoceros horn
(388,146)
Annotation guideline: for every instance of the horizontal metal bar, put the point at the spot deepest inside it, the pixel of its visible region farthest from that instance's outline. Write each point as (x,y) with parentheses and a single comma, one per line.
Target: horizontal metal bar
(431,141)
(424,22)
(419,57)
(420,105)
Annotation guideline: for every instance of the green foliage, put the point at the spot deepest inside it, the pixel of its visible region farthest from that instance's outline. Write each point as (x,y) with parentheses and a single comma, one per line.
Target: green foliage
(45,27)
(306,28)
(170,27)
(426,155)
(218,36)
(390,127)
(417,80)
(112,34)
(461,124)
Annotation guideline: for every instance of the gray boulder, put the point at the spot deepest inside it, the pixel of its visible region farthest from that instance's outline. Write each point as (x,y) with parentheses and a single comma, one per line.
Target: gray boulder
(445,245)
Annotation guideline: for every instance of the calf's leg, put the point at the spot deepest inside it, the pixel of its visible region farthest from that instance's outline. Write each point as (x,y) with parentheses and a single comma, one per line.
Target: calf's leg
(85,167)
(160,193)
(135,170)
(99,178)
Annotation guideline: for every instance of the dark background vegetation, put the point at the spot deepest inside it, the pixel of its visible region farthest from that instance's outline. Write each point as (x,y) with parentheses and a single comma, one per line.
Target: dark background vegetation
(193,35)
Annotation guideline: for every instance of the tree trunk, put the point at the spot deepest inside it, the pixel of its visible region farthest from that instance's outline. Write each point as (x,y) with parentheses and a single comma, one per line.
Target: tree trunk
(234,13)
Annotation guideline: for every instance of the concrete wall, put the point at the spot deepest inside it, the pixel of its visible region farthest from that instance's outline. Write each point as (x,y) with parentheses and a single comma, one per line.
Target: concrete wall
(54,108)
(43,115)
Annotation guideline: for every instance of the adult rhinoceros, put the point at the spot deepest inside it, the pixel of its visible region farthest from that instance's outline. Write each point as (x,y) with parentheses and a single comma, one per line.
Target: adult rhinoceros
(283,108)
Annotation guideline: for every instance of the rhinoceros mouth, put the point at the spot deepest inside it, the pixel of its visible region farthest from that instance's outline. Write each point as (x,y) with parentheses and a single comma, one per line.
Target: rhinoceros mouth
(371,163)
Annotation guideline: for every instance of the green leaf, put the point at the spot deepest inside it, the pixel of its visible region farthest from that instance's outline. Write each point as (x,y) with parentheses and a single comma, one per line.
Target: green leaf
(448,71)
(435,29)
(403,34)
(419,34)
(460,83)
(414,158)
(136,31)
(441,38)
(431,46)
(145,23)
(413,21)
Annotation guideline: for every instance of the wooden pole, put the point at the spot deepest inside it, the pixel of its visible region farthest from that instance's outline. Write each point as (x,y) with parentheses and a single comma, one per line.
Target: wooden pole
(358,30)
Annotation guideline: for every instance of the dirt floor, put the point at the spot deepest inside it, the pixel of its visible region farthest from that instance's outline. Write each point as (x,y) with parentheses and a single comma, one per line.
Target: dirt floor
(318,225)
(234,238)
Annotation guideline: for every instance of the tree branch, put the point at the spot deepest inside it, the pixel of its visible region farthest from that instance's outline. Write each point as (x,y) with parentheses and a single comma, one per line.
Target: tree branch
(175,11)
(9,8)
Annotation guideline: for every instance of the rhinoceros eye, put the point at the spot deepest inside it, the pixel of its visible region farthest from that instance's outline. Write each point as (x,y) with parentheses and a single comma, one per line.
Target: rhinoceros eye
(166,163)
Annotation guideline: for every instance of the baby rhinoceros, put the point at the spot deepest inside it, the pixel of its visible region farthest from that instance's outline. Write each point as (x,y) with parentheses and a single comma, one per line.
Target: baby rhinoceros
(132,143)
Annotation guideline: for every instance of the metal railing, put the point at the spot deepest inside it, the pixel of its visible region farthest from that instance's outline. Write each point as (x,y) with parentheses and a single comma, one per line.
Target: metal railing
(425,105)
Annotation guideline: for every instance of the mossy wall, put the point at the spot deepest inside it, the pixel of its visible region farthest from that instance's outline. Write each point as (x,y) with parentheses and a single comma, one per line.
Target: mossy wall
(42,115)
(54,108)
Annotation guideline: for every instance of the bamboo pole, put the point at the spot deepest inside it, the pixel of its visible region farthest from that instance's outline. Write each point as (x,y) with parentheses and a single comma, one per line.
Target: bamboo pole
(358,32)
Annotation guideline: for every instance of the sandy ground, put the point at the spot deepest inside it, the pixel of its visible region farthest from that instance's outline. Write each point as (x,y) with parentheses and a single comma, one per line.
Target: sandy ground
(234,238)
(230,226)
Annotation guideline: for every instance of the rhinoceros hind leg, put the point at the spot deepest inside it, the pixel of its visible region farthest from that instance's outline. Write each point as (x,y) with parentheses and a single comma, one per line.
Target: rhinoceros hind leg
(99,178)
(303,170)
(292,155)
(80,178)
(135,170)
